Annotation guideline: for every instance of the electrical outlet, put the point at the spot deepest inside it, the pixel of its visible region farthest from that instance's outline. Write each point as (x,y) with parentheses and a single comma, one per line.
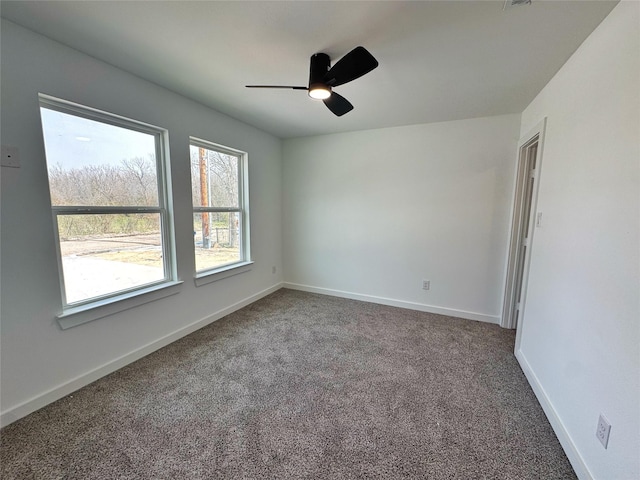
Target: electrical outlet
(603,430)
(426,284)
(273,270)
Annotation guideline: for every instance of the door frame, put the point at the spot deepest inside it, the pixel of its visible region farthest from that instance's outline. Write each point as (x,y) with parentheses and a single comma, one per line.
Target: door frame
(536,134)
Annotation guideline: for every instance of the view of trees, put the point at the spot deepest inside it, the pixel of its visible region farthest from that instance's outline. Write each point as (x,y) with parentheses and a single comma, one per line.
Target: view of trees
(218,188)
(214,177)
(131,183)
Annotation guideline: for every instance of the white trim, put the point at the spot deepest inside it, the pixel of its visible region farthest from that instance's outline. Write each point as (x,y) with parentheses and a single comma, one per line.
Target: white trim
(567,443)
(103,307)
(506,320)
(540,130)
(227,271)
(41,400)
(90,113)
(206,144)
(480,317)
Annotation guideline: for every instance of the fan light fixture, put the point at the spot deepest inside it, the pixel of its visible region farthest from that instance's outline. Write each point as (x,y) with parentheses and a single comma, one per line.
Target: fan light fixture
(323,78)
(319,92)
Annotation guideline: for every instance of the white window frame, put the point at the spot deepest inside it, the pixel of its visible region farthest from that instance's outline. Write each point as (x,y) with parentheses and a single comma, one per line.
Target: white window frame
(83,311)
(244,264)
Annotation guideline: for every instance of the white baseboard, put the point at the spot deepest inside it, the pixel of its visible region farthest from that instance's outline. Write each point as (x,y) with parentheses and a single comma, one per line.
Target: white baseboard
(56,393)
(481,317)
(569,447)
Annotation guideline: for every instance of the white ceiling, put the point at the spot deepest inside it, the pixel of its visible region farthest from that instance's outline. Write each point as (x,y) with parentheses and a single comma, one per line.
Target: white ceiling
(439,61)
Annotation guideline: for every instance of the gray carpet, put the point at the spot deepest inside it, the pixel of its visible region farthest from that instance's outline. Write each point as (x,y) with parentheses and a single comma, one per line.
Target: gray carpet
(299,385)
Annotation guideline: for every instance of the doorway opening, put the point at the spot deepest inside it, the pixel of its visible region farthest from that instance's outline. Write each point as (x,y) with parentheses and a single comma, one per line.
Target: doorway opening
(523,223)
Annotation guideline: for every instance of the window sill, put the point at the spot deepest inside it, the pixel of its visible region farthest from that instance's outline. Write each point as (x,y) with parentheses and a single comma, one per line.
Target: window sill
(74,316)
(205,278)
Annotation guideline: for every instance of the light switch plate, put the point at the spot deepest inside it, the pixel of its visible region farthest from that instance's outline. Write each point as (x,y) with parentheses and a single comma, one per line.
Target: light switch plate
(10,156)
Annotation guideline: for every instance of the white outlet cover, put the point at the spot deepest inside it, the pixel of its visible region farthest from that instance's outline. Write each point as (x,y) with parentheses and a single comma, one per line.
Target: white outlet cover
(603,431)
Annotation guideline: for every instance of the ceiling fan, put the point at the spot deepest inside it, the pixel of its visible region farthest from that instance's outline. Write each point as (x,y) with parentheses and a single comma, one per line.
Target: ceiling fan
(323,77)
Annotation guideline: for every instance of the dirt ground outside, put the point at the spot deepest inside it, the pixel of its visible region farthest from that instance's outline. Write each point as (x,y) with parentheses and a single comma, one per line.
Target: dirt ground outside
(101,265)
(144,249)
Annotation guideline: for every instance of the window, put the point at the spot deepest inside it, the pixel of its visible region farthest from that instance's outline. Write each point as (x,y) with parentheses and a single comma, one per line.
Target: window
(109,199)
(220,213)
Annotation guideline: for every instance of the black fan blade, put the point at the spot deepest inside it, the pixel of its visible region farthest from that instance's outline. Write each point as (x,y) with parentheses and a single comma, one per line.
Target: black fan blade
(354,64)
(338,104)
(277,86)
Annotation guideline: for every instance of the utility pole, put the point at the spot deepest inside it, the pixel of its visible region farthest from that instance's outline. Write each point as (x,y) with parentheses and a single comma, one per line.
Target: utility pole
(204,198)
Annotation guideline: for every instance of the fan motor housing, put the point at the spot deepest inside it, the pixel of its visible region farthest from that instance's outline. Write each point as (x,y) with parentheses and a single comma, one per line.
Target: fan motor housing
(320,64)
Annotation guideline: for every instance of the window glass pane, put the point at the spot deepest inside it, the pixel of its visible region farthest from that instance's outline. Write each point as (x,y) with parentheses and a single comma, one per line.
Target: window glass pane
(93,163)
(217,239)
(104,254)
(214,178)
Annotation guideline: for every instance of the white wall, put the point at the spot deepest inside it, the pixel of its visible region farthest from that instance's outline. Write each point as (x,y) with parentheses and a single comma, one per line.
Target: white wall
(580,340)
(38,358)
(371,214)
